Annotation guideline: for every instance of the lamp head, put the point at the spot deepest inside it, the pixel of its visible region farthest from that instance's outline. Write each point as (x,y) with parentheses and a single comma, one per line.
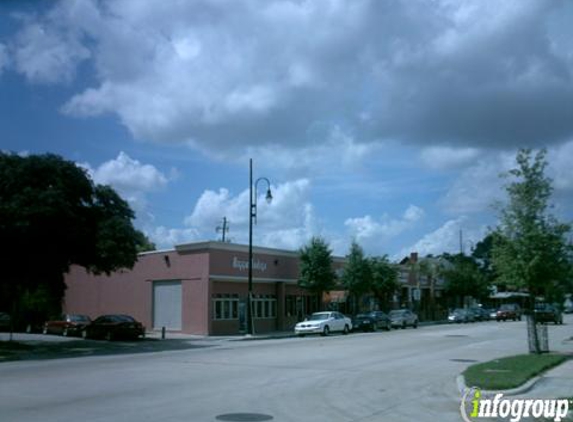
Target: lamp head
(269,196)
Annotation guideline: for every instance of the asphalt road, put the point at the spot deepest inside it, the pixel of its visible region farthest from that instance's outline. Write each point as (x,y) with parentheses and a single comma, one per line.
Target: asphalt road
(402,375)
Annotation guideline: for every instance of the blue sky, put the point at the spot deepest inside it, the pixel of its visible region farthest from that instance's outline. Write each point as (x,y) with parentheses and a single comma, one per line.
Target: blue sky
(387,122)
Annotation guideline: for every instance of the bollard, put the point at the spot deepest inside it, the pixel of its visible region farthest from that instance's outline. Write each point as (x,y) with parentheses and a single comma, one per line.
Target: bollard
(162,333)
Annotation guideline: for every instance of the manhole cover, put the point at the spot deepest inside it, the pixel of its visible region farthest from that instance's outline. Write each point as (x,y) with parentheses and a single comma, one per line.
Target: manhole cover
(463,360)
(244,417)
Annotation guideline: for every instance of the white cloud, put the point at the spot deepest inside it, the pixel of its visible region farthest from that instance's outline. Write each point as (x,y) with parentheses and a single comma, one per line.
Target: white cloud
(478,187)
(164,237)
(448,72)
(447,157)
(133,180)
(447,239)
(129,175)
(373,234)
(47,53)
(287,222)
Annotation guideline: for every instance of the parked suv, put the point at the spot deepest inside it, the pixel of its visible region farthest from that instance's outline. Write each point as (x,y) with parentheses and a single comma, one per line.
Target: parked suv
(508,311)
(545,312)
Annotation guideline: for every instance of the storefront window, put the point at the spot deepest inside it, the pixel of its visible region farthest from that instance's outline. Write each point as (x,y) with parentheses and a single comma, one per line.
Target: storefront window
(264,306)
(225,306)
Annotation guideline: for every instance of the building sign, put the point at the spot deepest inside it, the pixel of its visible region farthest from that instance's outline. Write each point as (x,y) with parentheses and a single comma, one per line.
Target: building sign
(244,265)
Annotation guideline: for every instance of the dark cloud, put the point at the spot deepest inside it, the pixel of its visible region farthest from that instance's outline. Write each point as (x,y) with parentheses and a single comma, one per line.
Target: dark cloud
(229,74)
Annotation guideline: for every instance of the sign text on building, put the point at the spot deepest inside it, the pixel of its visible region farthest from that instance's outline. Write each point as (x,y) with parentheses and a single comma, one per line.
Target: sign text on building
(244,265)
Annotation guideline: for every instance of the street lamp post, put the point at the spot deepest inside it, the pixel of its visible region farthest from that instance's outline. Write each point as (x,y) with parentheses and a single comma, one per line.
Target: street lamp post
(253,216)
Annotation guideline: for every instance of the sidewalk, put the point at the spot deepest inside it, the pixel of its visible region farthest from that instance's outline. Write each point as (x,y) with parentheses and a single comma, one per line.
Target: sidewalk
(556,383)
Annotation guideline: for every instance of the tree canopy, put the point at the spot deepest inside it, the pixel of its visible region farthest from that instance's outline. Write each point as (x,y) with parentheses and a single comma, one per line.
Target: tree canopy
(52,216)
(357,274)
(464,277)
(530,249)
(316,272)
(384,279)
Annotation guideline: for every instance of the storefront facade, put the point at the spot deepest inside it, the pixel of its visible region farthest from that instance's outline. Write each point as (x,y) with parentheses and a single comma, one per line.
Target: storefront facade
(198,288)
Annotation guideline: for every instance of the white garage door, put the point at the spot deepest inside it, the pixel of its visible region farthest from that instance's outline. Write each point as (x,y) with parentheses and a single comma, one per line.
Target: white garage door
(167,305)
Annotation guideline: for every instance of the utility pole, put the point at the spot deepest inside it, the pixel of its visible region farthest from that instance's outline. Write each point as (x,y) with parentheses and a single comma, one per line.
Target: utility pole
(223,229)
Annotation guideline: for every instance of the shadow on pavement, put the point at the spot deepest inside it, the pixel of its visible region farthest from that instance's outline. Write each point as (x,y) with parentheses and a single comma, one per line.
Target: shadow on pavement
(46,349)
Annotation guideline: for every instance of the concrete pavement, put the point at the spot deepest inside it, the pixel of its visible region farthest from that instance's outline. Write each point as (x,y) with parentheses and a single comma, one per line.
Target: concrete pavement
(402,375)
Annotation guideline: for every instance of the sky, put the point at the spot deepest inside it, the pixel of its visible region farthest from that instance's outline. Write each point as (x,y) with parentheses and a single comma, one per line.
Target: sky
(385,122)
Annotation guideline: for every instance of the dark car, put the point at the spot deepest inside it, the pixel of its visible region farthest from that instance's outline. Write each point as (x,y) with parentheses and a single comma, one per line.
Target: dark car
(545,312)
(5,321)
(461,315)
(67,325)
(481,314)
(402,318)
(111,327)
(371,321)
(508,311)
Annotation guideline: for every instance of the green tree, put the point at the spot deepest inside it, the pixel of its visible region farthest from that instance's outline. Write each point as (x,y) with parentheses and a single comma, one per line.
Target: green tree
(52,216)
(316,272)
(357,274)
(384,279)
(482,254)
(144,244)
(530,249)
(463,278)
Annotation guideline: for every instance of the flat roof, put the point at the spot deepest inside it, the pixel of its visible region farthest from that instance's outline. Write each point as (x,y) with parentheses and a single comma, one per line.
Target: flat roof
(231,247)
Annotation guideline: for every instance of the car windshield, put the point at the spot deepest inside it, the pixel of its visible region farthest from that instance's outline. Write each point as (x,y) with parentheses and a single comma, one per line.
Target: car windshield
(123,318)
(319,317)
(79,318)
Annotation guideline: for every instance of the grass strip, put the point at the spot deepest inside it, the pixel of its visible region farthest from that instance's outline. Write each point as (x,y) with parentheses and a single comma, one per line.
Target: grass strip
(510,372)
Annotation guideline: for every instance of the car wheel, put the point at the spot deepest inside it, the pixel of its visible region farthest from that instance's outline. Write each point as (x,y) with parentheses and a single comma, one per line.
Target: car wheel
(325,331)
(415,324)
(404,325)
(65,333)
(347,330)
(301,335)
(374,327)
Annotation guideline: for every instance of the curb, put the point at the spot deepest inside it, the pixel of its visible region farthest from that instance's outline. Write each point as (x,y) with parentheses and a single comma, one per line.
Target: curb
(524,388)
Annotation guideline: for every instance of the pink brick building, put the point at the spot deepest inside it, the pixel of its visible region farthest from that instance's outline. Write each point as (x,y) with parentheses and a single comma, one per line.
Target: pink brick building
(198,288)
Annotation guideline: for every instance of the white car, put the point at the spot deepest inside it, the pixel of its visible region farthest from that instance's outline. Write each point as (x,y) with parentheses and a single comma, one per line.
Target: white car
(324,323)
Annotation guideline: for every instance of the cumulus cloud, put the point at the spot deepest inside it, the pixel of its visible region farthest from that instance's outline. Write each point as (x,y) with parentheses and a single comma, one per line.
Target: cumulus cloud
(372,233)
(287,222)
(49,49)
(446,239)
(453,73)
(132,180)
(332,149)
(479,186)
(164,237)
(127,174)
